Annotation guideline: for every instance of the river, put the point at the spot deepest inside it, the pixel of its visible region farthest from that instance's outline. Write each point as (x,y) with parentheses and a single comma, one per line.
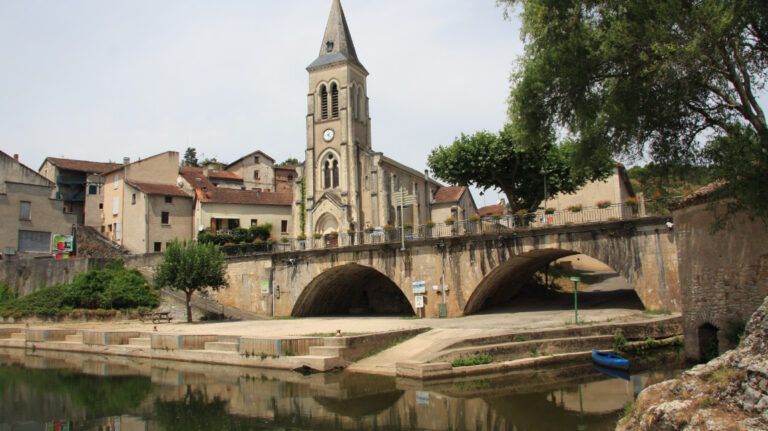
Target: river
(66,391)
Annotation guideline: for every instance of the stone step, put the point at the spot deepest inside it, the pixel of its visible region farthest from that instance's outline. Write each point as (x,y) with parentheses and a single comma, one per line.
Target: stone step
(222,346)
(529,349)
(140,342)
(19,335)
(318,363)
(330,351)
(76,338)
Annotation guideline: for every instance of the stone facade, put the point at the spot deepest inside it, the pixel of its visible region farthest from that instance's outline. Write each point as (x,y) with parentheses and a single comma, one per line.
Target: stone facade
(29,213)
(348,185)
(723,275)
(477,270)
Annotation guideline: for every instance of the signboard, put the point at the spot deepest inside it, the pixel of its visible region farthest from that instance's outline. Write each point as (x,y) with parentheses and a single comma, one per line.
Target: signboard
(419,301)
(399,199)
(422,397)
(419,286)
(62,243)
(265,287)
(575,278)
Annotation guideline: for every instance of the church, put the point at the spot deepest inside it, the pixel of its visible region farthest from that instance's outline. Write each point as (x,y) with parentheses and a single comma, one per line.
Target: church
(347,184)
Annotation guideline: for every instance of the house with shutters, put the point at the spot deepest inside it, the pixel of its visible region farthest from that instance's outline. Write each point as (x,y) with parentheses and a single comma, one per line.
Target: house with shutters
(144,206)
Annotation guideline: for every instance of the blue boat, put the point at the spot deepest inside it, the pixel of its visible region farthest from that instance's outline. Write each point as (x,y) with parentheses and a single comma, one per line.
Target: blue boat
(619,374)
(607,359)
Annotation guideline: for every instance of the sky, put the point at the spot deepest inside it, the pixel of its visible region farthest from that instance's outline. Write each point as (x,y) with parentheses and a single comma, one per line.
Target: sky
(102,80)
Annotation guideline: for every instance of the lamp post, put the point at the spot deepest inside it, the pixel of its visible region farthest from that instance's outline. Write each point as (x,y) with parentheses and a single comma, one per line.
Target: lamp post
(576,280)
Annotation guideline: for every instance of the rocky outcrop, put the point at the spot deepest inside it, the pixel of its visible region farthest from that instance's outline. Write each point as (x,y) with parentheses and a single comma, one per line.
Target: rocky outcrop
(728,393)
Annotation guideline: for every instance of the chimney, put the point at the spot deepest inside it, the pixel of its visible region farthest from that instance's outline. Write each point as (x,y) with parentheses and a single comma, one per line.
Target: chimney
(206,170)
(16,156)
(126,160)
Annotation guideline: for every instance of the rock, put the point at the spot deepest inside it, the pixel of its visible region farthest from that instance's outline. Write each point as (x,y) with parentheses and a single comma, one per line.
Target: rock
(728,393)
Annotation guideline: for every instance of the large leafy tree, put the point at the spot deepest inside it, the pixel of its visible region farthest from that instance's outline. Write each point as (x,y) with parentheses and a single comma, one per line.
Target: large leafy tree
(518,169)
(648,78)
(191,267)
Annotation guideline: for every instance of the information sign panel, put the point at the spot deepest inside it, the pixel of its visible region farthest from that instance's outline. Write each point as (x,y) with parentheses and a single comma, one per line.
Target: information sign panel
(419,301)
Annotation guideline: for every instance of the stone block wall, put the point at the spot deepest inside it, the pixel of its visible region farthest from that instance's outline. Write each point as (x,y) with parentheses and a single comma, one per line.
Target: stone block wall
(723,275)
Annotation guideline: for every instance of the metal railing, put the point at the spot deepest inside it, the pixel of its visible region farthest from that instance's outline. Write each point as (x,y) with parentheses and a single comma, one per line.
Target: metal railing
(494,224)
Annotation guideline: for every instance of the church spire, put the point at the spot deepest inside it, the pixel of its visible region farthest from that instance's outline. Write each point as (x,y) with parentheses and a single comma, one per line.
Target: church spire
(337,43)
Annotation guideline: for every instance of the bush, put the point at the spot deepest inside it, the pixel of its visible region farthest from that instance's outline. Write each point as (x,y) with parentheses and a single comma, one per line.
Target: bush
(6,294)
(479,359)
(111,287)
(549,211)
(262,231)
(619,341)
(575,208)
(47,301)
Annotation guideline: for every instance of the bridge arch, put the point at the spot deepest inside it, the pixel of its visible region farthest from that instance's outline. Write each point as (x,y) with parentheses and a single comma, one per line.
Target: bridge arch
(504,281)
(351,289)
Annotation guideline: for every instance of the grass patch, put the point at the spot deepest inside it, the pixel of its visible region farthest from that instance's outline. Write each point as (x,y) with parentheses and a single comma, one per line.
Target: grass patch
(474,384)
(723,375)
(519,338)
(479,359)
(657,312)
(619,341)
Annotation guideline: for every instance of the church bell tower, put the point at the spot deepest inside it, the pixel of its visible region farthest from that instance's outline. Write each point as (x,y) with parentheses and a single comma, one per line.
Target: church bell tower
(338,129)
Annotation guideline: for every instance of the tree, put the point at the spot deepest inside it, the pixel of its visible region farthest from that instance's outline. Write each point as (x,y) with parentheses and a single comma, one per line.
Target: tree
(501,161)
(191,267)
(290,161)
(646,78)
(190,158)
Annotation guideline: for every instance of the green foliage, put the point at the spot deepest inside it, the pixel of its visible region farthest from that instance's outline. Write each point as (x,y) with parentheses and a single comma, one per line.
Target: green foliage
(734,331)
(239,235)
(505,162)
(190,158)
(303,204)
(98,396)
(649,79)
(662,183)
(191,267)
(479,359)
(290,161)
(619,341)
(6,294)
(112,287)
(47,301)
(194,412)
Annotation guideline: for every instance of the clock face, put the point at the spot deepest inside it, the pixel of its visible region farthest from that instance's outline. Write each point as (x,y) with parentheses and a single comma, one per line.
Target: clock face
(328,135)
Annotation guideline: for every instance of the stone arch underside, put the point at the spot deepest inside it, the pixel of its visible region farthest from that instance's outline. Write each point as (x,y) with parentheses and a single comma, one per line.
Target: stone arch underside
(351,289)
(504,281)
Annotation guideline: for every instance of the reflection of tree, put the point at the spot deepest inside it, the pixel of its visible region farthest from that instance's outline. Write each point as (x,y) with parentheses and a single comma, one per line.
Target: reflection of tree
(100,396)
(193,412)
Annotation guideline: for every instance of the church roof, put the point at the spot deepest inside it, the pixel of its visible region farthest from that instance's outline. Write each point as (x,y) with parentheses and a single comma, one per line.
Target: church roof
(337,43)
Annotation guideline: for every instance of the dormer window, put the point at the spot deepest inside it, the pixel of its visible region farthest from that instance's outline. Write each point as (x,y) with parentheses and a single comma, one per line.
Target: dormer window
(329,46)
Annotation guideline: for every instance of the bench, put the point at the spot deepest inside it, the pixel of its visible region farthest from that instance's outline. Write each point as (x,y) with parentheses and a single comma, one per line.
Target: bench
(156,316)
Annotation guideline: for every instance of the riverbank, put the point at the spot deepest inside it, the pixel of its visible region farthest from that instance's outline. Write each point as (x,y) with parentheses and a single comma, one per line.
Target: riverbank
(311,342)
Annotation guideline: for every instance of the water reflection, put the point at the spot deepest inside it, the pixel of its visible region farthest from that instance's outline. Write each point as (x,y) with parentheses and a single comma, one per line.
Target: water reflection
(52,390)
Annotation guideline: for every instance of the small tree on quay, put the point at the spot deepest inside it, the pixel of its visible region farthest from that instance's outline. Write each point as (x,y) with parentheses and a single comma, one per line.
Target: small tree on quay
(191,267)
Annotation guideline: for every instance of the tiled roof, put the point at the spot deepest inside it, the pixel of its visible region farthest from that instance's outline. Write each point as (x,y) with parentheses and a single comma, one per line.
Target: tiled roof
(83,165)
(159,189)
(188,173)
(490,210)
(251,154)
(699,196)
(247,197)
(449,194)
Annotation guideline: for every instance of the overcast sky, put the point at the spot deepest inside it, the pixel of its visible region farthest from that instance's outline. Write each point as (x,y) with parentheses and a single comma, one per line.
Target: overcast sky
(102,80)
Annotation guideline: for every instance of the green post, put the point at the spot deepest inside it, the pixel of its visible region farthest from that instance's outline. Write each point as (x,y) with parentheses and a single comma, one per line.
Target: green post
(576,280)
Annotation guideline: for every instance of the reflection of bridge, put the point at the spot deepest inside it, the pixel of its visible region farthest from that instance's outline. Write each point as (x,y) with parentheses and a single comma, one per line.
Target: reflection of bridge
(479,270)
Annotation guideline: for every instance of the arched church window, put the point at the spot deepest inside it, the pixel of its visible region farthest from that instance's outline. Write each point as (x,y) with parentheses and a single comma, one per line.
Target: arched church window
(335,173)
(327,174)
(353,101)
(334,100)
(323,102)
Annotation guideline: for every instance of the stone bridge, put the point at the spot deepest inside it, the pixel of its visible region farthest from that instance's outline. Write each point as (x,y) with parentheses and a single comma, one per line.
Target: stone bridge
(479,271)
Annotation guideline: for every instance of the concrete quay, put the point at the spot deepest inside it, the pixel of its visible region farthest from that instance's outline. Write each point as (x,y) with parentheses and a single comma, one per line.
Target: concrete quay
(410,348)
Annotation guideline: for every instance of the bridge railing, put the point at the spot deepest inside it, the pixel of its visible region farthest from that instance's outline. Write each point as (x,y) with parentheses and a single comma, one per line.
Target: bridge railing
(493,224)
